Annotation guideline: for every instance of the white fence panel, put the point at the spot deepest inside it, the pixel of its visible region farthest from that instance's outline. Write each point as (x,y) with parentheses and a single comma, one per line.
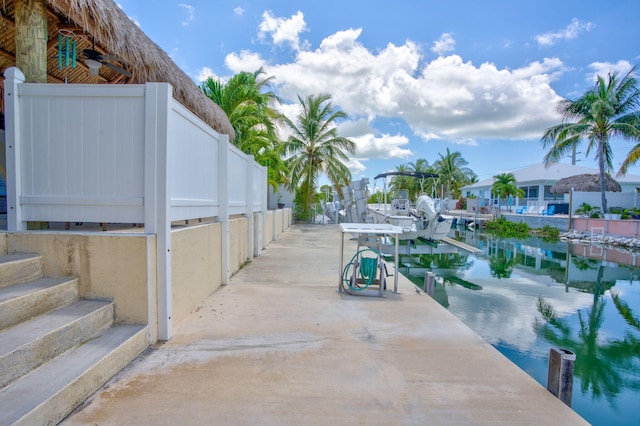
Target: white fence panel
(82,157)
(193,156)
(237,181)
(259,186)
(82,150)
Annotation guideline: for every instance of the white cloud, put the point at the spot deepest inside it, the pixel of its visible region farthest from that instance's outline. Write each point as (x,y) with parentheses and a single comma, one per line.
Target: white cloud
(355,166)
(570,32)
(205,73)
(604,68)
(245,61)
(386,146)
(445,98)
(369,146)
(282,31)
(445,44)
(350,129)
(191,13)
(239,11)
(466,141)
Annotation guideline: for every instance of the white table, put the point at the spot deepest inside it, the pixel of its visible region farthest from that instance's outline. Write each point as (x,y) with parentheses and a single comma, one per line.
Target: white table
(369,228)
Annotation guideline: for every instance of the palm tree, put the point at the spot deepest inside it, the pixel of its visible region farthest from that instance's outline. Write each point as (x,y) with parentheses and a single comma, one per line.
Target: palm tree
(248,103)
(600,362)
(505,185)
(403,182)
(315,147)
(609,109)
(413,185)
(453,172)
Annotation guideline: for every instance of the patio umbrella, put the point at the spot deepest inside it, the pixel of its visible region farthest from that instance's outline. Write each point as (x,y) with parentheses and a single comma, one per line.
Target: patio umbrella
(584,183)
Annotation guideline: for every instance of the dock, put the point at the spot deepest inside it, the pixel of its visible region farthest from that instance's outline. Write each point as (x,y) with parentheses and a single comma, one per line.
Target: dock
(461,245)
(465,217)
(279,345)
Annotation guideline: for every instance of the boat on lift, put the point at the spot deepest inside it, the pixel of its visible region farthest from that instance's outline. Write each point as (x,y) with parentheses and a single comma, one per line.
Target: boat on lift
(424,220)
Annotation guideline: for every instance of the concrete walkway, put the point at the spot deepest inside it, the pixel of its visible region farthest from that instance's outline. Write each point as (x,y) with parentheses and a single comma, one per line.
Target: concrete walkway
(279,346)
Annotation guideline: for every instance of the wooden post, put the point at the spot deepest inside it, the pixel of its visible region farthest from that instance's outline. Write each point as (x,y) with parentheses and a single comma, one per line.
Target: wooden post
(429,283)
(31,50)
(31,39)
(560,374)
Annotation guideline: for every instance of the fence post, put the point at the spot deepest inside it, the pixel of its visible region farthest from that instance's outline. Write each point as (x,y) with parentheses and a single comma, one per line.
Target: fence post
(223,198)
(560,374)
(13,77)
(157,198)
(429,283)
(249,200)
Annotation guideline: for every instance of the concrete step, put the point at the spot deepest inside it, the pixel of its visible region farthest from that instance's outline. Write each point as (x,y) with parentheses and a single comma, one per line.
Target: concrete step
(24,301)
(30,344)
(50,393)
(19,268)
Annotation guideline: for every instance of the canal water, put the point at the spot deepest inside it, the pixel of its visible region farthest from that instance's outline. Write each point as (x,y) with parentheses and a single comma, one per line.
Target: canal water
(525,296)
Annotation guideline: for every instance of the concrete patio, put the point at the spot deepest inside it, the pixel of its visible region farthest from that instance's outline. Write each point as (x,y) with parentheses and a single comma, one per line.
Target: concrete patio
(279,345)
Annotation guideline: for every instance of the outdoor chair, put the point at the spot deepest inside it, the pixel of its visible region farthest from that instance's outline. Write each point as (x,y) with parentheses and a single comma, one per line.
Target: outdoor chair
(522,210)
(550,211)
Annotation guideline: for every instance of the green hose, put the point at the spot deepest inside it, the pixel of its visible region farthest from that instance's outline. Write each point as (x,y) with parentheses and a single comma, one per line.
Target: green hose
(368,269)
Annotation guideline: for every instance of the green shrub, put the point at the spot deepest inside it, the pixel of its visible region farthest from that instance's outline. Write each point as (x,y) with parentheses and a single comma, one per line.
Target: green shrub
(504,228)
(550,231)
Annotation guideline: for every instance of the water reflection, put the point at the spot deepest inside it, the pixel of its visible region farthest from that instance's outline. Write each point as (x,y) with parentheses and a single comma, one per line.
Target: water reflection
(526,296)
(603,362)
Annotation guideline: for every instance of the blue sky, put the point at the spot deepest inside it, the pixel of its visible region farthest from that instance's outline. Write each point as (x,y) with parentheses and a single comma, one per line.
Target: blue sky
(415,77)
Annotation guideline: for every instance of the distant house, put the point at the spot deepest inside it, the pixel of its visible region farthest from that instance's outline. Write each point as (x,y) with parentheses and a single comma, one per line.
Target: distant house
(536,180)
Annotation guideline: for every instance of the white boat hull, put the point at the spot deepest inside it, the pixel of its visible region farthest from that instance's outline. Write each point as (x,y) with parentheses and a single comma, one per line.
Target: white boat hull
(413,228)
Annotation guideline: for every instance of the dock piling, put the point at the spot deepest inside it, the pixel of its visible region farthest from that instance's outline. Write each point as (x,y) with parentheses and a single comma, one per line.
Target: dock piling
(429,283)
(560,374)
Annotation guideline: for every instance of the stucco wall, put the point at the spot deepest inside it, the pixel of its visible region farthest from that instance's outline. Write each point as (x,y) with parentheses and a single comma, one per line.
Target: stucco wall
(626,228)
(535,221)
(3,243)
(238,243)
(118,267)
(279,221)
(268,228)
(196,264)
(122,266)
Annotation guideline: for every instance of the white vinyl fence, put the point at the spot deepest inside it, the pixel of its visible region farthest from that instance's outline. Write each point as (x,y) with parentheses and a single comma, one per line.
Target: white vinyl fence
(122,154)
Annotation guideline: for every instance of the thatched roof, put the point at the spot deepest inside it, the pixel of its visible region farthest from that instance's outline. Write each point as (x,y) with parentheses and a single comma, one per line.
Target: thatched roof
(584,183)
(101,23)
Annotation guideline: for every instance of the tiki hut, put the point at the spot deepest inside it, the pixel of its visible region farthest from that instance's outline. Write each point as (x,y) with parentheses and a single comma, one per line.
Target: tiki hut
(121,52)
(584,183)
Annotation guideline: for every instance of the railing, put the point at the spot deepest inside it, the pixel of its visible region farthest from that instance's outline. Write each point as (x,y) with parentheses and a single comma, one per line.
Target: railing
(123,154)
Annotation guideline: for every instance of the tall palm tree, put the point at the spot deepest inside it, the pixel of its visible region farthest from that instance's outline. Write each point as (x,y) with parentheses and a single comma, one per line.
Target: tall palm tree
(421,185)
(248,102)
(314,147)
(453,172)
(403,182)
(413,185)
(609,109)
(505,185)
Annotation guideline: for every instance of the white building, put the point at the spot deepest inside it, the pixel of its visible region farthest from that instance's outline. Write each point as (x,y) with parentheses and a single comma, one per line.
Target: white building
(536,180)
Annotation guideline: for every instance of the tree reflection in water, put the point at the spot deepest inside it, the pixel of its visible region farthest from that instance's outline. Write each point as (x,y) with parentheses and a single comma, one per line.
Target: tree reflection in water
(602,365)
(582,303)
